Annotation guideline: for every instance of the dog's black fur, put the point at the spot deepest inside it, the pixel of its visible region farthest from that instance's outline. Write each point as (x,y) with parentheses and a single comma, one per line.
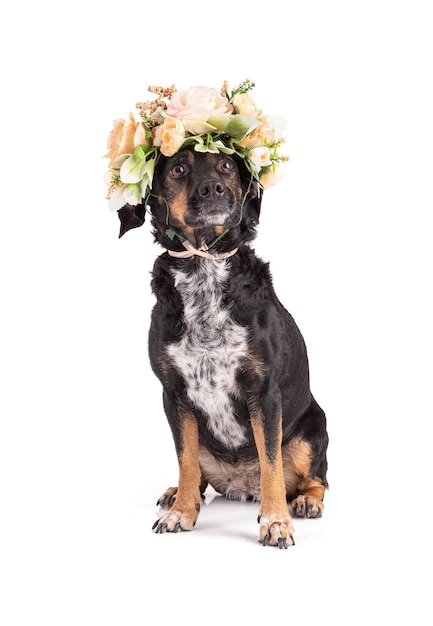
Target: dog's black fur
(231,360)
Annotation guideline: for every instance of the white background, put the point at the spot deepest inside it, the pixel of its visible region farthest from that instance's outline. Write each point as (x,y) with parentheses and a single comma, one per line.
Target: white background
(85,447)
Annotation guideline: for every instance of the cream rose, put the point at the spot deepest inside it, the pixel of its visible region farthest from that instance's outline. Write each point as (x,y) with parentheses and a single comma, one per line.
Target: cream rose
(260,156)
(271,176)
(195,106)
(244,104)
(170,136)
(263,133)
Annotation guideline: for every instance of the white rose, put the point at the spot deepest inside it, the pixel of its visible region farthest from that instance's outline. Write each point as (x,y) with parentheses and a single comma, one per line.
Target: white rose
(195,106)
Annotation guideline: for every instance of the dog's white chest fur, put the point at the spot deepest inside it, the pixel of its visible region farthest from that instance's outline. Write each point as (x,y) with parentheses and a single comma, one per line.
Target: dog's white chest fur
(211,349)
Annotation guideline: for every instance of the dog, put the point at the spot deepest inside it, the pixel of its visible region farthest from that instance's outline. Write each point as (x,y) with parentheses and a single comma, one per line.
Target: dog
(231,360)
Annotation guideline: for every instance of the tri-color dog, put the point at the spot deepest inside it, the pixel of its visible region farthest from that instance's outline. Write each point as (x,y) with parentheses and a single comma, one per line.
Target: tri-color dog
(232,362)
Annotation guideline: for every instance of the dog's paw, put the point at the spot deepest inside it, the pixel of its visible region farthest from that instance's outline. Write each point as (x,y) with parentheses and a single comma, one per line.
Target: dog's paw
(177,519)
(307,506)
(168,498)
(276,531)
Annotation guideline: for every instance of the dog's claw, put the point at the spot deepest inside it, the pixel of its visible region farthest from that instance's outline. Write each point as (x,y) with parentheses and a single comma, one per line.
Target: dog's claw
(282,543)
(307,507)
(301,510)
(276,531)
(159,528)
(168,498)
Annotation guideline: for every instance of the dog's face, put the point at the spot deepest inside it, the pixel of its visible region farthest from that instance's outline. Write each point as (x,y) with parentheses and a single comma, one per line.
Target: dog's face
(200,195)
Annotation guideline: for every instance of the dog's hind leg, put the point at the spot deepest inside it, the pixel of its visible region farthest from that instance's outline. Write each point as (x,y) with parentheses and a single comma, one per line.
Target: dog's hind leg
(186,500)
(309,503)
(276,527)
(305,489)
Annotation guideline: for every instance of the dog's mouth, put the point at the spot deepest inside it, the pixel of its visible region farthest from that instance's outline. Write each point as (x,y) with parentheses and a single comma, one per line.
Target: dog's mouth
(204,216)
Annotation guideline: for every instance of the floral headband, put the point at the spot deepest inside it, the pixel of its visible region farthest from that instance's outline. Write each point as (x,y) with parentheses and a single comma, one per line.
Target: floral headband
(225,122)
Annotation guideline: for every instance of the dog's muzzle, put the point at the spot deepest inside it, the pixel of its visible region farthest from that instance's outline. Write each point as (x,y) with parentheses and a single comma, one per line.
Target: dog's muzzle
(211,190)
(213,203)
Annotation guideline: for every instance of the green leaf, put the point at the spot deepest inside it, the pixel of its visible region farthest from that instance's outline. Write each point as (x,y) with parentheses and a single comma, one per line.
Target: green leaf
(170,232)
(140,153)
(149,170)
(240,125)
(201,147)
(244,87)
(145,185)
(132,170)
(198,127)
(192,139)
(221,147)
(207,144)
(219,122)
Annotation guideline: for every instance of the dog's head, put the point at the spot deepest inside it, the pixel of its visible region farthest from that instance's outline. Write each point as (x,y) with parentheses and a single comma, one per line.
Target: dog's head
(199,196)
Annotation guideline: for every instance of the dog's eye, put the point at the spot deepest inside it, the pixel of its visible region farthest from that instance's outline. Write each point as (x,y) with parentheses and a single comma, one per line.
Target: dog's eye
(226,165)
(177,171)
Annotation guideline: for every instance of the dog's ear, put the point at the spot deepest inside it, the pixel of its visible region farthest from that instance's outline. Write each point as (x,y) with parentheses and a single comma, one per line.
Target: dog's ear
(131,217)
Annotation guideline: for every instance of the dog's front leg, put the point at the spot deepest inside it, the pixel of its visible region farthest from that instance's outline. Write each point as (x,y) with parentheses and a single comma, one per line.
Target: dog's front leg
(276,527)
(186,506)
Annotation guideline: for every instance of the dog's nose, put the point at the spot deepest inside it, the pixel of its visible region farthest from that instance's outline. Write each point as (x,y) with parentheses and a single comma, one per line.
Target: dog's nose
(211,189)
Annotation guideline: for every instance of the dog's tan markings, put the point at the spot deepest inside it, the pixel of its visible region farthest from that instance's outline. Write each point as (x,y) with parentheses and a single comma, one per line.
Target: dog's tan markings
(185,502)
(178,206)
(309,503)
(275,522)
(297,456)
(178,210)
(296,462)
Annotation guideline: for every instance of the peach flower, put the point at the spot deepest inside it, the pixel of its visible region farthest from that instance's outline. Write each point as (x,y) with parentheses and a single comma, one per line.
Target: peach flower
(170,136)
(140,137)
(271,176)
(124,138)
(263,133)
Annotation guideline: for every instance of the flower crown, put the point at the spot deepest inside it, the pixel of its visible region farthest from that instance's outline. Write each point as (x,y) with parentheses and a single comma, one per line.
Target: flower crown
(225,122)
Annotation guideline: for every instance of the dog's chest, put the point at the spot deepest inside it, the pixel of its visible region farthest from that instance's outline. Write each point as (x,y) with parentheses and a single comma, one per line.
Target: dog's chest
(211,349)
